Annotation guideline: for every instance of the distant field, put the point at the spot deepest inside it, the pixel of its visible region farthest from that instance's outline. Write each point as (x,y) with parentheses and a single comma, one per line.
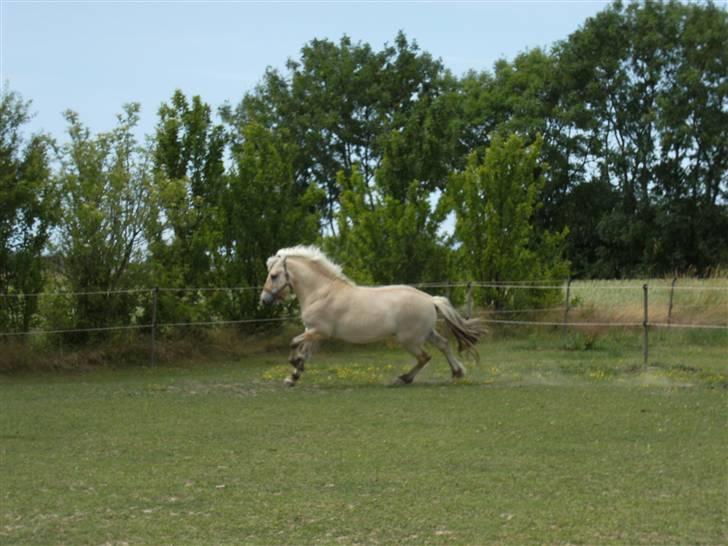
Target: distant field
(543,442)
(701,301)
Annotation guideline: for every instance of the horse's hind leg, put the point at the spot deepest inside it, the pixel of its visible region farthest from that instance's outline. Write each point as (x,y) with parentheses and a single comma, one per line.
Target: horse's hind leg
(422,359)
(458,370)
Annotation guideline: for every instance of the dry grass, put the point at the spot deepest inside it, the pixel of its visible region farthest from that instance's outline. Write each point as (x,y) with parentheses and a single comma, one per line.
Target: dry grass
(694,301)
(30,354)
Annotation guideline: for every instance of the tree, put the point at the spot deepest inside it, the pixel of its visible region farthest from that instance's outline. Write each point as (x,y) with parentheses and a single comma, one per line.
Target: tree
(648,81)
(632,109)
(495,200)
(342,105)
(529,96)
(692,169)
(28,211)
(184,232)
(384,239)
(188,145)
(106,184)
(389,226)
(262,210)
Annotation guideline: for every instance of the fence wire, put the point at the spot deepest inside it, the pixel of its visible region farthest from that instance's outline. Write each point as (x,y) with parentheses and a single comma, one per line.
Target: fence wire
(513,285)
(440,284)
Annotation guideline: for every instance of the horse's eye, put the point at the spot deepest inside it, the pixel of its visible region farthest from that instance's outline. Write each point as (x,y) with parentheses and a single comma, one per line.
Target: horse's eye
(274,277)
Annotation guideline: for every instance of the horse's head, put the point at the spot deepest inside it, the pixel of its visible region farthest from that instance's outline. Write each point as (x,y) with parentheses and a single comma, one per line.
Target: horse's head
(278,283)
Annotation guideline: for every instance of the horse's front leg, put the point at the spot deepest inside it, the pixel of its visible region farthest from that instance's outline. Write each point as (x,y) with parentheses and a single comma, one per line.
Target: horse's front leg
(297,359)
(302,347)
(295,355)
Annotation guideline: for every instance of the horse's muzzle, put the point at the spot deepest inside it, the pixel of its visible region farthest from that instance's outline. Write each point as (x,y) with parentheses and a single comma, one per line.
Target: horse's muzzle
(266,298)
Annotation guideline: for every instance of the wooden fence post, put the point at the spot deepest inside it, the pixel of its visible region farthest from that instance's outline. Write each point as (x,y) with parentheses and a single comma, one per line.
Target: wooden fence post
(645,324)
(155,293)
(566,307)
(470,299)
(669,308)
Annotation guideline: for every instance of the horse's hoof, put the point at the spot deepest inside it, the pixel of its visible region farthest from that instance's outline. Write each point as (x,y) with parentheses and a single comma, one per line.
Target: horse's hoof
(403,380)
(289,382)
(458,374)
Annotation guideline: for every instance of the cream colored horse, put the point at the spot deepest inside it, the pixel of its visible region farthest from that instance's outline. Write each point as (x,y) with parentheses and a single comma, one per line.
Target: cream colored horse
(332,306)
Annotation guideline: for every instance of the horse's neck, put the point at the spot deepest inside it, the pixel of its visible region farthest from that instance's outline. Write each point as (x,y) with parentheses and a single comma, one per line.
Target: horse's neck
(308,282)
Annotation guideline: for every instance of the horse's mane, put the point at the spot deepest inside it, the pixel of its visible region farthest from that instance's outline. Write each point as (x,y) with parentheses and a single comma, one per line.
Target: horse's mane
(314,254)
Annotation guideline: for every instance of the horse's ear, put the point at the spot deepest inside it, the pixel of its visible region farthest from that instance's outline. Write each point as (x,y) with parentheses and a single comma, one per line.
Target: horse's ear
(271,261)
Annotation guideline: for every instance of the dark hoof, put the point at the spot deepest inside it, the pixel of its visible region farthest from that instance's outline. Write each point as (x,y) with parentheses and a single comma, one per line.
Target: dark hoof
(403,380)
(459,374)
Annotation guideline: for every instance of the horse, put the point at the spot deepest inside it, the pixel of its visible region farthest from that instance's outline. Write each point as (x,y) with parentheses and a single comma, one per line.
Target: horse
(334,307)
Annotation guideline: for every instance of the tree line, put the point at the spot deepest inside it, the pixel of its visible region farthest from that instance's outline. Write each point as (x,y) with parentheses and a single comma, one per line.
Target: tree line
(604,156)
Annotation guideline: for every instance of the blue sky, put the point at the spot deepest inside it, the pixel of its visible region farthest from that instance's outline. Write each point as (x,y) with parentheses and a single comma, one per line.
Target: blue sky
(93,57)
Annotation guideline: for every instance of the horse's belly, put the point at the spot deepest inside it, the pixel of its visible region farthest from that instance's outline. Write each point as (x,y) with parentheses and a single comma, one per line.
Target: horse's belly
(365,327)
(375,314)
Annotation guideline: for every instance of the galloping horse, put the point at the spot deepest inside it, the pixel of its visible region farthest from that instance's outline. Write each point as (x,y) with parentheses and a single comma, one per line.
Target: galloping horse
(332,306)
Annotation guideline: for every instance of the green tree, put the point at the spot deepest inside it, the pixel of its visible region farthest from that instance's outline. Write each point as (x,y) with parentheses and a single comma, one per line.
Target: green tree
(263,210)
(188,145)
(632,111)
(389,225)
(28,210)
(184,232)
(495,200)
(529,96)
(385,239)
(106,184)
(345,104)
(648,81)
(692,122)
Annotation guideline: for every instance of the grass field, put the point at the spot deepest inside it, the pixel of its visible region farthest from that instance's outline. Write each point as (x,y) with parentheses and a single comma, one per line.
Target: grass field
(537,445)
(694,301)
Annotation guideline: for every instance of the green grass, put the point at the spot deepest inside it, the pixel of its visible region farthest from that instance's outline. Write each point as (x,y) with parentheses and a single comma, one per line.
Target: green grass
(538,445)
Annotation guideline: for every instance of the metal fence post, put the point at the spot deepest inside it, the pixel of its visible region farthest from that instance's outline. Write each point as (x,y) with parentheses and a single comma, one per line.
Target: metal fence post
(566,307)
(470,299)
(155,293)
(645,324)
(669,308)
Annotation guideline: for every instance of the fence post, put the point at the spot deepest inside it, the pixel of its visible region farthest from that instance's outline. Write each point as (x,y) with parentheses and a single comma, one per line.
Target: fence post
(155,293)
(448,290)
(470,299)
(669,308)
(566,307)
(645,325)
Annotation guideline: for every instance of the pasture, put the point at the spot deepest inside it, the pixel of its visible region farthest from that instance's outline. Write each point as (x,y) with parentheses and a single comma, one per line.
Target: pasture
(537,445)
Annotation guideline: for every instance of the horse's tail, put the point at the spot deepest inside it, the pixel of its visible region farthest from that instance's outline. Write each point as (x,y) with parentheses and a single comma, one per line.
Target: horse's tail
(466,331)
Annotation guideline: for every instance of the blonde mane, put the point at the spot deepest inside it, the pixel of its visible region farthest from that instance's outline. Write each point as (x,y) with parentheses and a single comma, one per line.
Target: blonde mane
(314,254)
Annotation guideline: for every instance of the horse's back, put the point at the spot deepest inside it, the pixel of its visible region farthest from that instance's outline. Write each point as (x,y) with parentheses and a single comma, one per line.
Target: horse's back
(372,313)
(397,296)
